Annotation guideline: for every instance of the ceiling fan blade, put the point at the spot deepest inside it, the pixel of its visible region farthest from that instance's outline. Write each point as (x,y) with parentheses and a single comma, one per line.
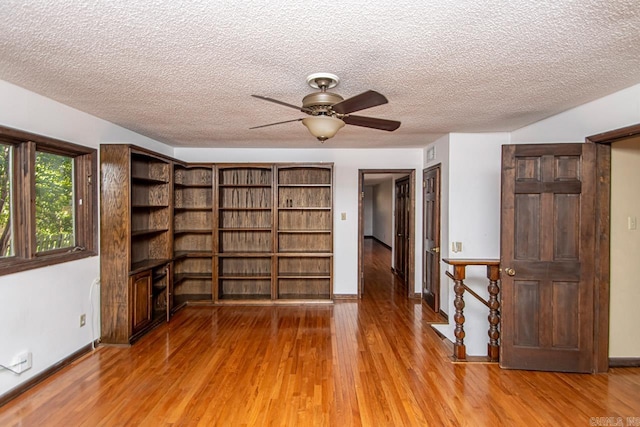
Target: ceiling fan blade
(277,123)
(372,122)
(286,104)
(367,99)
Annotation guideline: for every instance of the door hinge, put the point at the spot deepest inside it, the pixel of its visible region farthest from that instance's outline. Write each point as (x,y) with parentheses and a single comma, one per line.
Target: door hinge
(362,195)
(424,184)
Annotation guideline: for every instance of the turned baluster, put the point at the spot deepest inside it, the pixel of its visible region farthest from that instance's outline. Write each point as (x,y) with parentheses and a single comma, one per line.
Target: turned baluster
(493,348)
(459,349)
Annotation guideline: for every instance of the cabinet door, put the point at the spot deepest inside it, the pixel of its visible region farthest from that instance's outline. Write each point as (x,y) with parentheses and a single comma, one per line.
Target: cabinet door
(141,305)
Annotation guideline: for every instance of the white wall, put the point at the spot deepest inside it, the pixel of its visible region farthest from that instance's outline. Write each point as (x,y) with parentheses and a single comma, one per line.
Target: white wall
(368,210)
(624,339)
(383,213)
(611,112)
(347,162)
(40,309)
(471,215)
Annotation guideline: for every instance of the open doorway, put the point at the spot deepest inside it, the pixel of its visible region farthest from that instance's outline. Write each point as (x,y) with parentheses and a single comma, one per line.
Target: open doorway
(385,230)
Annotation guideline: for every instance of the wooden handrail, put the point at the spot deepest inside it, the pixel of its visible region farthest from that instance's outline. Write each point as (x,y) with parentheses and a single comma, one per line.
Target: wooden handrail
(468,289)
(458,276)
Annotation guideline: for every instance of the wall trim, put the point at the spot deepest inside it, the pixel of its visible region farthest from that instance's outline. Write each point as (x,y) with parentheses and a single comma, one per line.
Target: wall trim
(345,297)
(37,379)
(624,362)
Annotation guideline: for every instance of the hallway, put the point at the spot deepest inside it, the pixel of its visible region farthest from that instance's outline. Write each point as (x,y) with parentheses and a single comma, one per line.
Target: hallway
(372,362)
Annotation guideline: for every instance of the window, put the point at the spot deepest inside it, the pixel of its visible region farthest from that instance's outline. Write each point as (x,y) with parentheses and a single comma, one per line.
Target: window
(48,201)
(54,202)
(6,173)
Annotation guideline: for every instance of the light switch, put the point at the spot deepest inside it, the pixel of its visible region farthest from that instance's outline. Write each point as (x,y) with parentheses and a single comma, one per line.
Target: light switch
(632,223)
(343,216)
(456,246)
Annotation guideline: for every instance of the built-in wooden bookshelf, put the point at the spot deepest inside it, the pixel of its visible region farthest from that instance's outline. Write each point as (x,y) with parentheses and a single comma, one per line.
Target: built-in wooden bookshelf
(175,233)
(304,230)
(245,232)
(135,241)
(193,233)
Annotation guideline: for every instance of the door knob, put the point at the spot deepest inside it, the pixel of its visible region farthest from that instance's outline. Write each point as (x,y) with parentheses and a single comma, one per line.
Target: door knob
(510,271)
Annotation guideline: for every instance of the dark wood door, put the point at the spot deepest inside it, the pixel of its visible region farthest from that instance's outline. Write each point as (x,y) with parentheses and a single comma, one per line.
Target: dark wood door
(547,257)
(403,202)
(431,243)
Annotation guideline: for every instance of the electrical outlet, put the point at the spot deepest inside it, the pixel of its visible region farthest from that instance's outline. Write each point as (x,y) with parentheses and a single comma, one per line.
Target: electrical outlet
(343,216)
(83,320)
(22,362)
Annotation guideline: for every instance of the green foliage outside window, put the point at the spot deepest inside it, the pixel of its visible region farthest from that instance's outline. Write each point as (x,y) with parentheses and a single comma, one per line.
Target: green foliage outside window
(54,202)
(5,201)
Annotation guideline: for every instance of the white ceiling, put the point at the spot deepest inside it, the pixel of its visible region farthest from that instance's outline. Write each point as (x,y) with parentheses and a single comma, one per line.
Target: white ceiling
(182,71)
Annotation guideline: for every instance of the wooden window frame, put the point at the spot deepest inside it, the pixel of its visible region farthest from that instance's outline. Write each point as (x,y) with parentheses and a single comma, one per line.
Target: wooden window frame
(85,161)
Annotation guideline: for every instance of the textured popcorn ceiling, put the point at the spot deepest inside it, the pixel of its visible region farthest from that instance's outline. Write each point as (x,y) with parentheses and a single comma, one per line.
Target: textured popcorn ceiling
(182,71)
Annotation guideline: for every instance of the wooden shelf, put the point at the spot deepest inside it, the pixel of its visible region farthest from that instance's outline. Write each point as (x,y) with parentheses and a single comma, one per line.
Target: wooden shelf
(243,255)
(306,297)
(147,180)
(246,297)
(305,231)
(244,186)
(181,277)
(147,264)
(307,255)
(180,185)
(193,254)
(305,208)
(148,232)
(304,276)
(244,209)
(244,229)
(193,233)
(304,185)
(148,206)
(244,277)
(159,286)
(192,208)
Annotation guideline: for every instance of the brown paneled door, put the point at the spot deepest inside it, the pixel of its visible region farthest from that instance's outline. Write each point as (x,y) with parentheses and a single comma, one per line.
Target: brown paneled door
(547,257)
(431,244)
(403,202)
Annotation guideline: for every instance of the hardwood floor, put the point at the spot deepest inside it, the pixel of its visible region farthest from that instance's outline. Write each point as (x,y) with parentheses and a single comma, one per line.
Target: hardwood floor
(372,362)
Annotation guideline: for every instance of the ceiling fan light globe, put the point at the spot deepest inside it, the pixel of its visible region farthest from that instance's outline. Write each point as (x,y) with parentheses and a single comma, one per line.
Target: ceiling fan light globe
(323,127)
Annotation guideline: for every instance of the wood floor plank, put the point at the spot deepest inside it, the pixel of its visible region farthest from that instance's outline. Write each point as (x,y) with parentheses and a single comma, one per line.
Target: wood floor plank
(370,362)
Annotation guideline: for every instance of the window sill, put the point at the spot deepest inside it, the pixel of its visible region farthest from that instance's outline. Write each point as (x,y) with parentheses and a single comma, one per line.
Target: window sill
(15,265)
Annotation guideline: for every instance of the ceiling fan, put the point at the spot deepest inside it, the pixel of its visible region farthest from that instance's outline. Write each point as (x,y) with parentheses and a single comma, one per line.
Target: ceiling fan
(328,112)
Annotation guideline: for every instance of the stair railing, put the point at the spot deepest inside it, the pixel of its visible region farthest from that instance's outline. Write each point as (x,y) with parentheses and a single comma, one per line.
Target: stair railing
(459,287)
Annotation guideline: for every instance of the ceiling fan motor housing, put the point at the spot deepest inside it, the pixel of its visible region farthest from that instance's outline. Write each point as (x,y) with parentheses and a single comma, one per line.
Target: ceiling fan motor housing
(319,102)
